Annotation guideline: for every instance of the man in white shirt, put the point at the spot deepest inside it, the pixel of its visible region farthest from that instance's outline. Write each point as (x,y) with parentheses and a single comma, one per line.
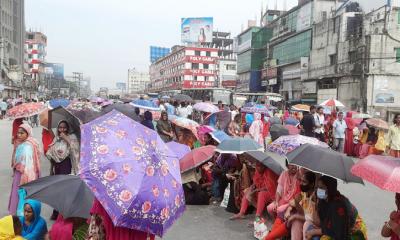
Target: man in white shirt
(339,132)
(189,109)
(319,120)
(233,111)
(182,111)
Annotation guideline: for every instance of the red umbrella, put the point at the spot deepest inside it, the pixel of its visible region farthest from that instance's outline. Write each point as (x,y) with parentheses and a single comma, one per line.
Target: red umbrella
(378,123)
(26,110)
(196,157)
(382,171)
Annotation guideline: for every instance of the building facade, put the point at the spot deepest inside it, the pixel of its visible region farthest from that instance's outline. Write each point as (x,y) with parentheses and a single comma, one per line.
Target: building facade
(35,59)
(137,81)
(12,38)
(185,68)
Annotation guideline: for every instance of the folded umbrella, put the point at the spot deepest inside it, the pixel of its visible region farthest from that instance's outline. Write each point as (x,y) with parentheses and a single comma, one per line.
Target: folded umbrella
(238,146)
(68,194)
(180,150)
(26,110)
(269,160)
(382,171)
(285,144)
(324,161)
(132,172)
(196,157)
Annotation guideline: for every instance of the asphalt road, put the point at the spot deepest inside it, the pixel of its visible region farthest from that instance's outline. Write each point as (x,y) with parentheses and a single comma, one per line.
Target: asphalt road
(212,222)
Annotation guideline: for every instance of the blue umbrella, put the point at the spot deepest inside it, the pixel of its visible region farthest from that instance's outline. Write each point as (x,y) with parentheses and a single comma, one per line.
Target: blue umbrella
(59,102)
(145,104)
(220,136)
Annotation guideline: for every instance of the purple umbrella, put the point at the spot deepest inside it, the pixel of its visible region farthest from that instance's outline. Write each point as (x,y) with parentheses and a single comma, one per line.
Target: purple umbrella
(180,150)
(206,107)
(132,172)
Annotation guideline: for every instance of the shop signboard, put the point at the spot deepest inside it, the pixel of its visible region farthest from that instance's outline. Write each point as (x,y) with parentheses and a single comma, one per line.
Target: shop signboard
(187,84)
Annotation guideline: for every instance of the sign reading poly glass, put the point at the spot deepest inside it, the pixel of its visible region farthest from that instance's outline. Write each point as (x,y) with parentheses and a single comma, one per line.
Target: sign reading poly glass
(197,30)
(198,84)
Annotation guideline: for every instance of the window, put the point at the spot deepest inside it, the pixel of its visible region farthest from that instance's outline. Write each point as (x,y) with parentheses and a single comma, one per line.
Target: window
(197,53)
(29,55)
(205,66)
(352,56)
(195,66)
(333,59)
(397,55)
(230,67)
(206,78)
(208,54)
(324,15)
(195,78)
(30,36)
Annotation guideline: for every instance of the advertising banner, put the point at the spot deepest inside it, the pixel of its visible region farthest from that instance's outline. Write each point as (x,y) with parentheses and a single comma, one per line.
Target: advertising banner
(198,84)
(197,30)
(121,85)
(56,70)
(229,83)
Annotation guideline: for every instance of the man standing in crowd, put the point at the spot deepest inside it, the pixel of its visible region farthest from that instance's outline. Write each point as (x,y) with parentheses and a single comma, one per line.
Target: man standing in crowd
(307,124)
(339,129)
(393,137)
(319,119)
(3,108)
(182,111)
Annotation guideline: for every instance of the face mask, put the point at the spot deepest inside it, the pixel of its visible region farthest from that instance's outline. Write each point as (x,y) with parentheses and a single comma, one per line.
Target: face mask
(305,188)
(321,194)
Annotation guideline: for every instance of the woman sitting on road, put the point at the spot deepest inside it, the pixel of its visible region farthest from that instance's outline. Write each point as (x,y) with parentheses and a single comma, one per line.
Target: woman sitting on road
(34,227)
(26,163)
(339,219)
(260,193)
(164,128)
(392,227)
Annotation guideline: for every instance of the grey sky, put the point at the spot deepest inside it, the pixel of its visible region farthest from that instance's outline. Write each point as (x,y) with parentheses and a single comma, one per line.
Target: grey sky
(103,38)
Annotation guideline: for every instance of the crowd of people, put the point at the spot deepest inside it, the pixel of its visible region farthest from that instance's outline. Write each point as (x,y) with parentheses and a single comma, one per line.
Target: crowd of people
(299,203)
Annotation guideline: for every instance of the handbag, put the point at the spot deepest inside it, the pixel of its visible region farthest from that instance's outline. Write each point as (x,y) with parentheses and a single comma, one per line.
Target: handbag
(260,229)
(225,200)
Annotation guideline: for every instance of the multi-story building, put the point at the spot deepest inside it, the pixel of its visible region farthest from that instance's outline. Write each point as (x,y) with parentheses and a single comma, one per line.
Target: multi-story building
(137,81)
(158,52)
(185,68)
(12,37)
(355,58)
(226,67)
(35,59)
(251,52)
(291,44)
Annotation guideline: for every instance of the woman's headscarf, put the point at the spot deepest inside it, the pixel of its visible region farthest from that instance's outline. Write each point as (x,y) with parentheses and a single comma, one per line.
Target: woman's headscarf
(350,121)
(7,229)
(38,227)
(30,170)
(148,120)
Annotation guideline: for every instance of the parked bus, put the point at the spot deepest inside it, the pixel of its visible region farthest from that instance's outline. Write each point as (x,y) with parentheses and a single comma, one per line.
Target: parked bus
(240,98)
(209,94)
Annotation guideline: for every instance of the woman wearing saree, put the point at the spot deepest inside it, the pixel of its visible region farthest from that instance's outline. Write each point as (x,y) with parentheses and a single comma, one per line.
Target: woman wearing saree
(339,219)
(260,193)
(34,227)
(63,153)
(26,163)
(349,141)
(256,129)
(164,128)
(10,228)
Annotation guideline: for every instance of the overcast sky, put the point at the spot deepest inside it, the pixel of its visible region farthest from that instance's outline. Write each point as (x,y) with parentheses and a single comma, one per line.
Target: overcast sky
(103,38)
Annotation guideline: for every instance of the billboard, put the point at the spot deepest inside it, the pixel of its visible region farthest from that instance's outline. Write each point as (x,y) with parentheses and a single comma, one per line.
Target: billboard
(158,52)
(304,17)
(121,86)
(197,30)
(56,70)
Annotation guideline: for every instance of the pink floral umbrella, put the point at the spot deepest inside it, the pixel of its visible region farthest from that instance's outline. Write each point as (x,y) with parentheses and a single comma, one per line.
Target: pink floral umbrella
(382,171)
(26,110)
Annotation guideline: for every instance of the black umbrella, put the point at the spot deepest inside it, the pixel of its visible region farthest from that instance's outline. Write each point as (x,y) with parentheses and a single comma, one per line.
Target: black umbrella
(182,98)
(277,131)
(60,113)
(324,161)
(126,109)
(269,160)
(68,194)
